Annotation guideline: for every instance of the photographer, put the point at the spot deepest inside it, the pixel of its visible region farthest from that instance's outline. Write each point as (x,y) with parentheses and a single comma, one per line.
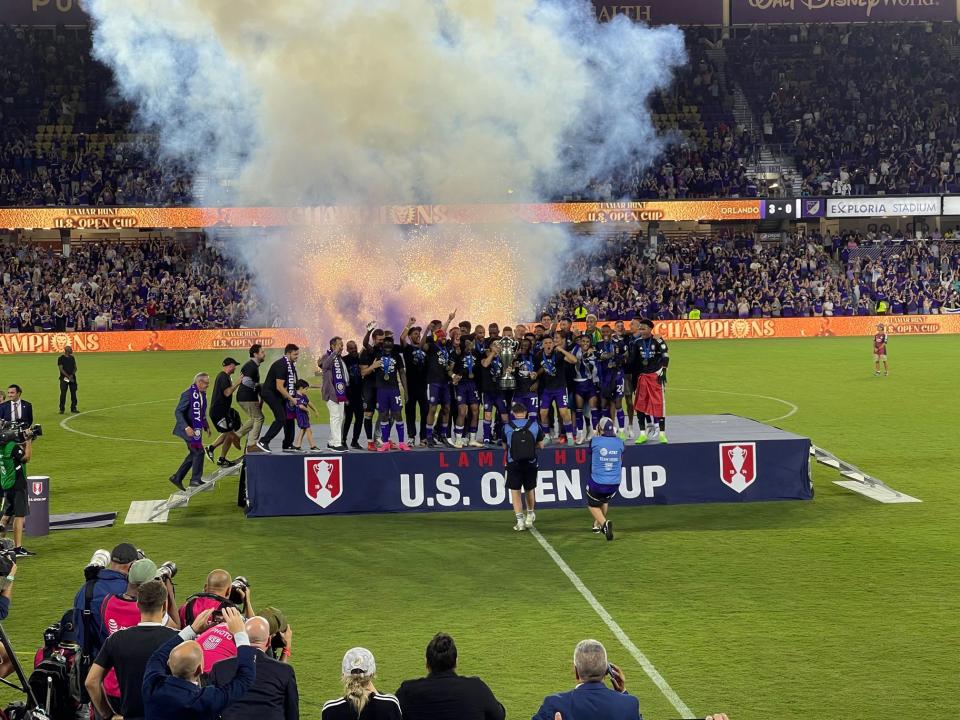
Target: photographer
(14,455)
(219,591)
(6,594)
(102,580)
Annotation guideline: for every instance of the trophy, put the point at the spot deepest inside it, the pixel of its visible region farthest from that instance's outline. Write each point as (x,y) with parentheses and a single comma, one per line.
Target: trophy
(508,354)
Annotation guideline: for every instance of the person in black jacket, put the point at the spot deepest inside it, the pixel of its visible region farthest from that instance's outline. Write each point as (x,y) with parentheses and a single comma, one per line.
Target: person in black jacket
(360,700)
(67,365)
(273,695)
(444,695)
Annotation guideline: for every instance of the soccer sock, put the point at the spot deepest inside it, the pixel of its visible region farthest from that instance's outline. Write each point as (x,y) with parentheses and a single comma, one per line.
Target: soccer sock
(400,431)
(662,423)
(579,421)
(368,428)
(487,430)
(642,421)
(457,431)
(473,431)
(595,417)
(385,432)
(568,428)
(620,419)
(429,432)
(443,430)
(466,432)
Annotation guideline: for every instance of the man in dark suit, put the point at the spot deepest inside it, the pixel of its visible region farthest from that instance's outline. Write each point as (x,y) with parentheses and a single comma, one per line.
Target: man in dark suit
(178,695)
(191,417)
(591,699)
(67,364)
(444,695)
(15,409)
(274,693)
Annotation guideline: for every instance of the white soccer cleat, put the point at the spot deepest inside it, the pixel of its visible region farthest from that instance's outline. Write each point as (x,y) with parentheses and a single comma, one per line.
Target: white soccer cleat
(475,443)
(530,520)
(520,525)
(630,434)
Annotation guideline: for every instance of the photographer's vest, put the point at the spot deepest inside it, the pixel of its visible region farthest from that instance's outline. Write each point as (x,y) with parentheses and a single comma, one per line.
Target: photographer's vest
(8,466)
(217,644)
(606,461)
(118,613)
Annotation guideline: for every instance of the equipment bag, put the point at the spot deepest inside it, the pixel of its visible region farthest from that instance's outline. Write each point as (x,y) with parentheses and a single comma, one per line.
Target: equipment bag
(523,445)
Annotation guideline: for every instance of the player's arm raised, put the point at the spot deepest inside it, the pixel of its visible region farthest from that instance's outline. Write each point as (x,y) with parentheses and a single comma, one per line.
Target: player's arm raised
(567,355)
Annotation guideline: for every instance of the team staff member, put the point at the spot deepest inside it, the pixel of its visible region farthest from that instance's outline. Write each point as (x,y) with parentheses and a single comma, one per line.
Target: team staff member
(606,462)
(224,417)
(880,351)
(334,392)
(277,392)
(248,397)
(649,365)
(191,417)
(354,408)
(13,479)
(522,437)
(67,364)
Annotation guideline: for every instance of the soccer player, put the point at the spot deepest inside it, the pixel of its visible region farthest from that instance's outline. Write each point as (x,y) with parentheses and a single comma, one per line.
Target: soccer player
(371,345)
(592,331)
(585,387)
(465,372)
(522,437)
(650,362)
(880,351)
(388,370)
(439,365)
(610,370)
(415,364)
(494,401)
(606,463)
(551,373)
(527,382)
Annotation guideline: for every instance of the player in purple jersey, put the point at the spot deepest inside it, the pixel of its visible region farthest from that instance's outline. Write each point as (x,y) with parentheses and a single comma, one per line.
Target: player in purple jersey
(439,367)
(390,377)
(494,400)
(551,373)
(528,385)
(585,387)
(466,370)
(613,357)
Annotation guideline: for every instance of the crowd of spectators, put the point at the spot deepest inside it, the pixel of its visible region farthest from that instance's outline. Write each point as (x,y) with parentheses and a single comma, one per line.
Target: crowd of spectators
(864,109)
(155,285)
(744,276)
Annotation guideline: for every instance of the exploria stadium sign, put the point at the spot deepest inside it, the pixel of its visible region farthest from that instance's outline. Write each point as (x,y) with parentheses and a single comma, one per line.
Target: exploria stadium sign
(869,207)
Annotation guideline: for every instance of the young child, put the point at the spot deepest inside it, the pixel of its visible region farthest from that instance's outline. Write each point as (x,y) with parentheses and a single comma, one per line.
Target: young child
(302,411)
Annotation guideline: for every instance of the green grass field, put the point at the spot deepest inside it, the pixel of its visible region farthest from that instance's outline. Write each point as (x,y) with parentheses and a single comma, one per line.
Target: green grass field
(842,607)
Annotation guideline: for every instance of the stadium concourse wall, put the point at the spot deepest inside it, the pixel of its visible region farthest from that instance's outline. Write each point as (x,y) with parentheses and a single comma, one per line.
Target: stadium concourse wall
(242,338)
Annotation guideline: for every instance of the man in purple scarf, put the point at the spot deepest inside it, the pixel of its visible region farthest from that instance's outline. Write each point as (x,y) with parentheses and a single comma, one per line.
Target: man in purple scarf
(191,416)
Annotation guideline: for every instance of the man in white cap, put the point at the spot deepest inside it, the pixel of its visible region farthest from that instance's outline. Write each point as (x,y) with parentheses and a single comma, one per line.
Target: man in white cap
(361,700)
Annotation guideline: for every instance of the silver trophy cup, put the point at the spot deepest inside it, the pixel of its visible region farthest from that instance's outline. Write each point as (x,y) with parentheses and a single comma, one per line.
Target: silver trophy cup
(508,354)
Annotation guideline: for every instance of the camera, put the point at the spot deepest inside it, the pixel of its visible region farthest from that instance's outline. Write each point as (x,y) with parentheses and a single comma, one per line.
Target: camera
(8,557)
(100,559)
(18,433)
(167,571)
(238,590)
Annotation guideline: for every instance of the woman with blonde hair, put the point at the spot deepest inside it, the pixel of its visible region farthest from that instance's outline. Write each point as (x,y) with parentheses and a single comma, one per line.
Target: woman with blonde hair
(360,700)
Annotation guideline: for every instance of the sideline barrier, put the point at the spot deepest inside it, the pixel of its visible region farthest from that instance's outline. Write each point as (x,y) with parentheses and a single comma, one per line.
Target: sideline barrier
(760,328)
(148,340)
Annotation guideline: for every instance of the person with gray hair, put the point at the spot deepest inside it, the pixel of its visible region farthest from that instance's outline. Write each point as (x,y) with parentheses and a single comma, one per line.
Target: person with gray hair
(274,694)
(360,700)
(591,699)
(191,421)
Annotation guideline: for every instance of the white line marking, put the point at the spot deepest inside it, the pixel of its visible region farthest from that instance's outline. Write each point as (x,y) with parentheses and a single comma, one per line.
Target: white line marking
(793,408)
(668,692)
(64,424)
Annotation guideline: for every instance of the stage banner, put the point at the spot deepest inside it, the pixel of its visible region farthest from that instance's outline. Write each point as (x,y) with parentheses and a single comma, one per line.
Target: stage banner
(664,12)
(951,204)
(880,206)
(120,218)
(148,340)
(474,480)
(814,327)
(748,12)
(42,12)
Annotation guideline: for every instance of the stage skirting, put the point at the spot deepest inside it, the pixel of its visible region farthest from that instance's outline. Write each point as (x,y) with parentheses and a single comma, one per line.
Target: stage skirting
(734,466)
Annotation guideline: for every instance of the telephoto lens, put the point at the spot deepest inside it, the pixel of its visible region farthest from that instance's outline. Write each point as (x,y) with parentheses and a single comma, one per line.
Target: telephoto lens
(100,559)
(167,571)
(238,590)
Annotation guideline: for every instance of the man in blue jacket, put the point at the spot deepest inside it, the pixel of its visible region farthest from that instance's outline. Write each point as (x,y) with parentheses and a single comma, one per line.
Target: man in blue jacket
(591,699)
(178,695)
(191,421)
(606,463)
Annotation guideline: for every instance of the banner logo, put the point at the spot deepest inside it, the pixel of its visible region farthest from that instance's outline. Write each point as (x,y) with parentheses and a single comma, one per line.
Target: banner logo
(37,488)
(738,465)
(323,480)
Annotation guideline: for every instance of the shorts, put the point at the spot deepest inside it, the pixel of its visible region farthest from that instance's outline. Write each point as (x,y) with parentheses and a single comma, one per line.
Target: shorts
(522,476)
(599,495)
(438,394)
(369,396)
(388,401)
(466,392)
(529,400)
(15,502)
(880,356)
(560,397)
(585,390)
(303,419)
(230,422)
(648,398)
(612,389)
(494,401)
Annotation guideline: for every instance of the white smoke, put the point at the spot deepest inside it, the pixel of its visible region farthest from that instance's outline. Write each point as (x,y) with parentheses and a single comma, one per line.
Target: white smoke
(369,102)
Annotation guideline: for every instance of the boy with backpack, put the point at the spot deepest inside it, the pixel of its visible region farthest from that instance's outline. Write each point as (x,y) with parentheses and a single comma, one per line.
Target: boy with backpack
(522,436)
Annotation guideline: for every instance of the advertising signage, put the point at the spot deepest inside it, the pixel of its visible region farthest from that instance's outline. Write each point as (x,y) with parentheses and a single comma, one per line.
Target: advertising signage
(882,206)
(749,12)
(663,12)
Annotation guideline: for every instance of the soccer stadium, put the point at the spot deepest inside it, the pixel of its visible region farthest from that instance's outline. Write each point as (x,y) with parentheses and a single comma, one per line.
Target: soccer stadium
(455,359)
